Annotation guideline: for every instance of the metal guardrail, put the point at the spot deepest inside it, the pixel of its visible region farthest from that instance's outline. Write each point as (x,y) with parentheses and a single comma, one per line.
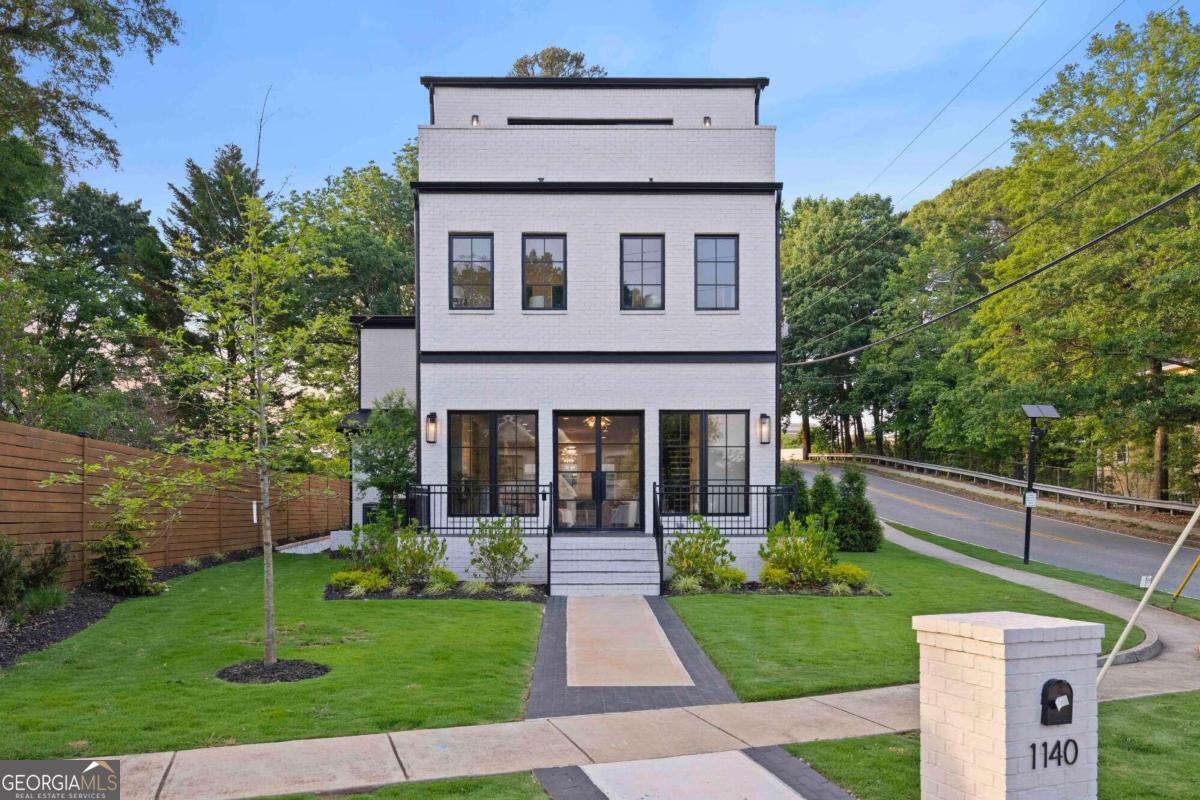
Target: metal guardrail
(1058,492)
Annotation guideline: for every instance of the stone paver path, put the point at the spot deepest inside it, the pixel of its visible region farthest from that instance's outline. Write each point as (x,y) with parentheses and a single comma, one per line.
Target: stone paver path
(1175,669)
(617,641)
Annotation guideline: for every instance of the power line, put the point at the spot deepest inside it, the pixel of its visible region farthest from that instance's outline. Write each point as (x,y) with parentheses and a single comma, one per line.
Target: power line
(1010,284)
(977,134)
(962,89)
(1055,207)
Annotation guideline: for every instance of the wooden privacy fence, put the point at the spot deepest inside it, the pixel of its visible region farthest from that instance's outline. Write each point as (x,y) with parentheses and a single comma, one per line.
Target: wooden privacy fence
(216,521)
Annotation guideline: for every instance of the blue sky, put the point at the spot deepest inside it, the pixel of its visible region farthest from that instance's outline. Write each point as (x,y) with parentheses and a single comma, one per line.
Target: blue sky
(851,82)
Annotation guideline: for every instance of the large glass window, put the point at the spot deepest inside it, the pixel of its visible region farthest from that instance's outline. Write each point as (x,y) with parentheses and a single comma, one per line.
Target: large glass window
(716,272)
(704,464)
(493,463)
(641,272)
(471,263)
(544,267)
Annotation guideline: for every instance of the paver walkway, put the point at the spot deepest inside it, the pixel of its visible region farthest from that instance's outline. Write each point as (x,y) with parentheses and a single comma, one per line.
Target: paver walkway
(1175,669)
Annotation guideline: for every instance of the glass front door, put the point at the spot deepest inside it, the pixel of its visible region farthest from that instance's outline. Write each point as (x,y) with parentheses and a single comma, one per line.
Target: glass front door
(598,471)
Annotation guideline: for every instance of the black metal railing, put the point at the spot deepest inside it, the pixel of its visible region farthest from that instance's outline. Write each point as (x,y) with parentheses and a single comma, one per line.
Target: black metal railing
(735,509)
(453,509)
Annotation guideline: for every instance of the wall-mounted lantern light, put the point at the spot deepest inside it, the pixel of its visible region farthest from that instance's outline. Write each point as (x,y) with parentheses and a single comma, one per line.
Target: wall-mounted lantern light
(431,427)
(708,122)
(474,120)
(764,428)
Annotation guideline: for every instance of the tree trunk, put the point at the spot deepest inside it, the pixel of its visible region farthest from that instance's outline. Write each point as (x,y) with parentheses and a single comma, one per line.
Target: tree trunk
(847,442)
(876,416)
(264,489)
(1160,480)
(860,434)
(805,437)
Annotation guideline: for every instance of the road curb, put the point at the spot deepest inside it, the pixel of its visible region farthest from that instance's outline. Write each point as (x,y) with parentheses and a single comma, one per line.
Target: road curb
(1150,647)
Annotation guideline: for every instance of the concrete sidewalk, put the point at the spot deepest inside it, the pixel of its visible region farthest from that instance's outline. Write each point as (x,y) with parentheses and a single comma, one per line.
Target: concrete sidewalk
(363,763)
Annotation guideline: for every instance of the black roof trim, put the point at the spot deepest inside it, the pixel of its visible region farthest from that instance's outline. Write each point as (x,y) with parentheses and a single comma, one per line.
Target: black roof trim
(595,83)
(593,187)
(384,321)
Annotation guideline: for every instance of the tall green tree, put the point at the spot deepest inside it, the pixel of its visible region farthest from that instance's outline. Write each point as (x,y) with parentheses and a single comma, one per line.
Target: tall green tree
(244,304)
(55,55)
(385,450)
(555,62)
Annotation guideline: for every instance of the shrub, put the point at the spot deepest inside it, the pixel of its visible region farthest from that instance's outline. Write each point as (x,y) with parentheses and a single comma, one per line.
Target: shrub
(374,544)
(873,590)
(443,575)
(47,567)
(840,589)
(344,579)
(436,589)
(802,550)
(192,563)
(356,591)
(401,591)
(729,578)
(701,553)
(686,584)
(823,498)
(519,590)
(774,578)
(792,475)
(373,581)
(497,550)
(474,588)
(43,599)
(856,526)
(117,567)
(219,557)
(852,575)
(12,576)
(416,555)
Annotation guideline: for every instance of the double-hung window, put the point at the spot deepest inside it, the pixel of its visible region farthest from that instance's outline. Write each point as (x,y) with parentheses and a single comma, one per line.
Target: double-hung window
(493,463)
(704,461)
(641,273)
(544,272)
(471,271)
(716,273)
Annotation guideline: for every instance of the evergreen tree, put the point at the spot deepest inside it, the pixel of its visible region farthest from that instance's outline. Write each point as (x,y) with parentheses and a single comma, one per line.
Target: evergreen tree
(385,450)
(791,475)
(856,527)
(823,498)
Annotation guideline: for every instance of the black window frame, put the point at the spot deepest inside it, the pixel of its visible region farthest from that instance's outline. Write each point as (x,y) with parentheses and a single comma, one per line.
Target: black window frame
(662,284)
(737,272)
(524,282)
(702,484)
(450,270)
(493,461)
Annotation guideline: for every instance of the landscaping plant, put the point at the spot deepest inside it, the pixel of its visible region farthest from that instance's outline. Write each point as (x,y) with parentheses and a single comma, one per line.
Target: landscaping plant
(850,574)
(385,450)
(792,475)
(12,578)
(823,498)
(702,554)
(802,550)
(417,555)
(497,550)
(373,544)
(118,568)
(46,568)
(856,527)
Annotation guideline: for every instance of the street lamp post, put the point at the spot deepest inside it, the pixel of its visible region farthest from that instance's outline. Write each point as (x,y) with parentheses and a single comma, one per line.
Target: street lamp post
(1034,413)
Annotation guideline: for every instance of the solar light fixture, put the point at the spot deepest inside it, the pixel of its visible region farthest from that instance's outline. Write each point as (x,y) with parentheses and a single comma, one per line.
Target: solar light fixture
(1041,411)
(1034,412)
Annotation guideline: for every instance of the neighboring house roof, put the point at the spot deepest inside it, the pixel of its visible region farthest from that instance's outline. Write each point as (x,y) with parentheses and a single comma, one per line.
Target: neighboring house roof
(354,420)
(384,321)
(593,83)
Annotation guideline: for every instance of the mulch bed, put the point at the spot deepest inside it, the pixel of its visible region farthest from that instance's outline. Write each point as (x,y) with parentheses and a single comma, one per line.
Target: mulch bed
(86,606)
(754,587)
(283,671)
(538,596)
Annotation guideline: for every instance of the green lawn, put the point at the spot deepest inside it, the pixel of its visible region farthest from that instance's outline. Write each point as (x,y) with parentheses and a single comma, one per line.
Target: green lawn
(143,678)
(1186,605)
(1148,751)
(517,786)
(775,646)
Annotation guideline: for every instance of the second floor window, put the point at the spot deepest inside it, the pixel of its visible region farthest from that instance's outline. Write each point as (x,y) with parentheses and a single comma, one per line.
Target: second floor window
(544,270)
(641,272)
(716,273)
(471,271)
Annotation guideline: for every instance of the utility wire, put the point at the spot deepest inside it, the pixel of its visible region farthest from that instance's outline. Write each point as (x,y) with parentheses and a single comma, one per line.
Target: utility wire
(1055,207)
(1134,220)
(962,89)
(956,153)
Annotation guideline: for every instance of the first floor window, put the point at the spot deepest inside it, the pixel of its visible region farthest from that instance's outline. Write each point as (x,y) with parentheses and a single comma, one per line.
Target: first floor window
(471,263)
(704,465)
(716,273)
(493,463)
(544,266)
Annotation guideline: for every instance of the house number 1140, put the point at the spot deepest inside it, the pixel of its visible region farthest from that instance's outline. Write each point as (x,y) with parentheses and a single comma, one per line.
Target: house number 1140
(1061,753)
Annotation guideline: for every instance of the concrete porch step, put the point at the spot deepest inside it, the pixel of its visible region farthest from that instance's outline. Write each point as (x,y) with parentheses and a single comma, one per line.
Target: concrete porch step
(604,565)
(605,578)
(576,542)
(593,589)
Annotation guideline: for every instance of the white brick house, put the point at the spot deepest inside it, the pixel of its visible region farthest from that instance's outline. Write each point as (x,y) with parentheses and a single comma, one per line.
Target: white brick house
(596,344)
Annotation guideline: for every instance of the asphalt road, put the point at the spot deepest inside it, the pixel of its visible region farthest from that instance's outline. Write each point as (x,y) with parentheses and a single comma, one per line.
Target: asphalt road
(1063,544)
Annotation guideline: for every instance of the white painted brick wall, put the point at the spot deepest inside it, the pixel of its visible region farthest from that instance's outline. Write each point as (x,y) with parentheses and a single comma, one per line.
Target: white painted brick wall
(598,153)
(728,107)
(593,225)
(389,362)
(981,681)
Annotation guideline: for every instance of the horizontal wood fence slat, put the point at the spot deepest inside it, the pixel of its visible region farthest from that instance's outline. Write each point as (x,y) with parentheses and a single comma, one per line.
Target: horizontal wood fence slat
(215,521)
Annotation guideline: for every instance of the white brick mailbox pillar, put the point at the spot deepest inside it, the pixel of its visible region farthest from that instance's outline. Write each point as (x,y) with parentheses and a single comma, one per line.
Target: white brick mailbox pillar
(1008,706)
